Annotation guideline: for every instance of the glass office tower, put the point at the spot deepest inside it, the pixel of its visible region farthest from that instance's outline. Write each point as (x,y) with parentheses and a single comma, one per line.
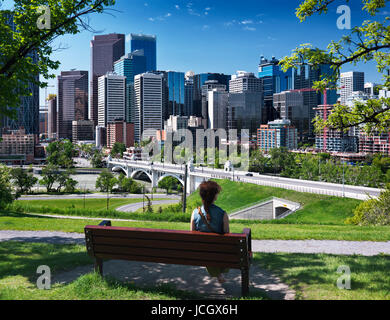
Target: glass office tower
(129,66)
(148,45)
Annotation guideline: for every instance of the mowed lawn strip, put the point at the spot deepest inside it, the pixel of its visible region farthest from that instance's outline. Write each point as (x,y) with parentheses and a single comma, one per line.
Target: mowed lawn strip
(19,263)
(14,221)
(314,276)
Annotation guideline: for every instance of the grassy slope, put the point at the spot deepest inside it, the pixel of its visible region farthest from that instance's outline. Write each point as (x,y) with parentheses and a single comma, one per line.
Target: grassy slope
(315,276)
(317,209)
(10,221)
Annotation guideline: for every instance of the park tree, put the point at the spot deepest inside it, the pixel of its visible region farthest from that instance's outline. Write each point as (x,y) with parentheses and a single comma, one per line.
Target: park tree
(6,195)
(97,159)
(118,149)
(258,162)
(23,180)
(168,184)
(50,175)
(61,153)
(105,183)
(27,51)
(367,42)
(128,185)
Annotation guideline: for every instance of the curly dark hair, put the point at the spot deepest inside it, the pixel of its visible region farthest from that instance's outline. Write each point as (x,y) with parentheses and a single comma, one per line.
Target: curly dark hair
(208,190)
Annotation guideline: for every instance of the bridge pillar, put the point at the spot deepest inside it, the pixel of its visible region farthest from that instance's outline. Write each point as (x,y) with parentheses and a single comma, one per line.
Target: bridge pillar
(154,178)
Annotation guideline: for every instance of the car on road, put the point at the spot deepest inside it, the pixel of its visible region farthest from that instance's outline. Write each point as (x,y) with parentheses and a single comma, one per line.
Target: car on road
(249,174)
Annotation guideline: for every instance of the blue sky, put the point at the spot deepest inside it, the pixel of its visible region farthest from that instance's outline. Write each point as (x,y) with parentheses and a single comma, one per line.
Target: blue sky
(214,35)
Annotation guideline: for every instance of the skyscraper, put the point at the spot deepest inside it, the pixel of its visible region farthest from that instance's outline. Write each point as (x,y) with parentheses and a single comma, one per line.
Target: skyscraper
(111,99)
(129,66)
(72,100)
(199,81)
(189,94)
(52,118)
(350,82)
(217,108)
(148,45)
(245,82)
(105,50)
(148,105)
(27,114)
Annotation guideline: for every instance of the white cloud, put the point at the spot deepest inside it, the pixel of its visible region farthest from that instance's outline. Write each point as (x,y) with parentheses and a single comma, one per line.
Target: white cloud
(151,19)
(250,29)
(168,15)
(177,7)
(207,9)
(247,22)
(205,27)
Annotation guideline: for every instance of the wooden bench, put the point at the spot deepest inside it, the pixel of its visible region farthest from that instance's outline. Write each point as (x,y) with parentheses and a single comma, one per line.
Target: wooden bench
(233,251)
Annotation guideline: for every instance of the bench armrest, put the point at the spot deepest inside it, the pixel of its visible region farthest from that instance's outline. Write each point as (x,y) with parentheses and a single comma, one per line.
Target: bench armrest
(105,223)
(248,233)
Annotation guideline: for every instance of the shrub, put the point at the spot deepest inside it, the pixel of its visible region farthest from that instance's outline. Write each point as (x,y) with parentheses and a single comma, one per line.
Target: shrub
(374,212)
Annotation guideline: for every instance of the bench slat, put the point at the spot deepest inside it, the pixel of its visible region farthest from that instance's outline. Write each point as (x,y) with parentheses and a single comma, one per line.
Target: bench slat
(177,261)
(167,235)
(168,253)
(168,244)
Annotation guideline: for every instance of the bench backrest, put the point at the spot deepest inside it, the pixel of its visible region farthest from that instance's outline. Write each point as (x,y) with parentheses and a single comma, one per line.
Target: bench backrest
(169,246)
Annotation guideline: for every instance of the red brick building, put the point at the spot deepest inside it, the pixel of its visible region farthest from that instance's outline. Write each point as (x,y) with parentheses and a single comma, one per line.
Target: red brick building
(120,131)
(379,143)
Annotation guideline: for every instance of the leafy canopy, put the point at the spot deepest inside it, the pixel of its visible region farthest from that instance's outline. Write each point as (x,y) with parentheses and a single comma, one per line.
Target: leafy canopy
(368,42)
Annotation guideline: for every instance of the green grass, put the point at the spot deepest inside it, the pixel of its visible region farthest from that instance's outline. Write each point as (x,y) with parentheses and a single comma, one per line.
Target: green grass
(95,204)
(316,209)
(17,221)
(314,276)
(19,262)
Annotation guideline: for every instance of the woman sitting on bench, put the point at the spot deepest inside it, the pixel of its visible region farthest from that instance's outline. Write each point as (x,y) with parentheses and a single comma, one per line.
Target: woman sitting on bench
(210,218)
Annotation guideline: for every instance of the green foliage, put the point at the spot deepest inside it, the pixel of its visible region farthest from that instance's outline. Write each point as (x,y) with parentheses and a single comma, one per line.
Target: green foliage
(106,181)
(52,174)
(128,185)
(61,153)
(19,49)
(365,43)
(23,180)
(373,212)
(118,149)
(6,196)
(97,159)
(169,183)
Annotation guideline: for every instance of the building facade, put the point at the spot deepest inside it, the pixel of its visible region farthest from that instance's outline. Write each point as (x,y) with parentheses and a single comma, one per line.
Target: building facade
(218,100)
(52,118)
(111,99)
(350,82)
(148,105)
(72,100)
(105,50)
(120,131)
(83,130)
(17,145)
(277,134)
(375,143)
(245,82)
(147,43)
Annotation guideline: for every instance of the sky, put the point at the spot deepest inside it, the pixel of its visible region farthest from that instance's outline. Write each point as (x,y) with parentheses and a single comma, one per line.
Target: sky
(213,35)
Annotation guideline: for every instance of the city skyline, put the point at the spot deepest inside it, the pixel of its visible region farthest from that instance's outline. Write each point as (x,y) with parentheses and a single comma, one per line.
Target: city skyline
(218,37)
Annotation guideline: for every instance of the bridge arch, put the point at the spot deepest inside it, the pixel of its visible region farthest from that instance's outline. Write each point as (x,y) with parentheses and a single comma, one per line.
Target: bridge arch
(119,169)
(171,175)
(137,171)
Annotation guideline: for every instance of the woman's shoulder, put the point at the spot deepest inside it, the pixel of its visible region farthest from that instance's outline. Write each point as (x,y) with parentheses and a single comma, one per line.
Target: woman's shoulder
(217,209)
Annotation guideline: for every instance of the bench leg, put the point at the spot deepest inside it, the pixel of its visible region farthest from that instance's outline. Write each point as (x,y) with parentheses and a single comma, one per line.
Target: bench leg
(245,282)
(99,266)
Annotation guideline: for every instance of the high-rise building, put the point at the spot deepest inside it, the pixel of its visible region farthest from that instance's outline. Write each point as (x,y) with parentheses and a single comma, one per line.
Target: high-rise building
(120,131)
(350,82)
(175,123)
(43,121)
(275,80)
(304,78)
(83,130)
(217,109)
(129,66)
(371,89)
(375,143)
(17,145)
(72,100)
(27,114)
(208,86)
(111,98)
(245,111)
(277,134)
(199,81)
(105,50)
(245,82)
(289,106)
(148,105)
(146,43)
(52,118)
(189,94)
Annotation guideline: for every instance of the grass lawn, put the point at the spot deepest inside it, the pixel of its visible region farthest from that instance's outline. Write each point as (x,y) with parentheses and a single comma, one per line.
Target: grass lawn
(314,276)
(16,221)
(96,204)
(19,262)
(316,209)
